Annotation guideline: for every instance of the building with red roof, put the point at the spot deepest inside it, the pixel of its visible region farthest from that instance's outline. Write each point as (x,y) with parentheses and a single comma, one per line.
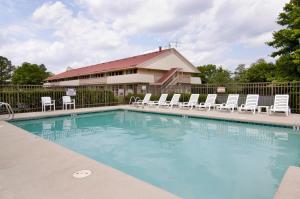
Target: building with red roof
(162,67)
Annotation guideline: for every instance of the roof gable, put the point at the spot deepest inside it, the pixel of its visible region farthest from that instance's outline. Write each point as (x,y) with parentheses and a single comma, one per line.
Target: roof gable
(169,60)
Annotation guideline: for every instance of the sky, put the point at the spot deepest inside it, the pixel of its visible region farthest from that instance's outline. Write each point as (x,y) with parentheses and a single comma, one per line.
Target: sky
(75,33)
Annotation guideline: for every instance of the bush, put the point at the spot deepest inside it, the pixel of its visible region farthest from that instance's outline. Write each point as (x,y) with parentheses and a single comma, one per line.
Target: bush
(30,99)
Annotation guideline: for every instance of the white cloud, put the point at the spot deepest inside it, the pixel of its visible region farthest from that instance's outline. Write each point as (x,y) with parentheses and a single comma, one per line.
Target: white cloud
(88,32)
(52,14)
(75,40)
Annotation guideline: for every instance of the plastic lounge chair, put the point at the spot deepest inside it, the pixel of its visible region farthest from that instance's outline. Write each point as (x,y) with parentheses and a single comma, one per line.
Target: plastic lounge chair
(231,103)
(46,101)
(68,101)
(209,102)
(143,102)
(251,104)
(191,103)
(174,101)
(161,100)
(281,104)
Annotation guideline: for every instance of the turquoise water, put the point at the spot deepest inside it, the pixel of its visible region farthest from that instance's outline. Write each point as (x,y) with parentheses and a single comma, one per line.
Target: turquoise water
(190,157)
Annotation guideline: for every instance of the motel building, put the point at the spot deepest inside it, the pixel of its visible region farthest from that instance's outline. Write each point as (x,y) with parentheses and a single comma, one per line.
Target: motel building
(160,69)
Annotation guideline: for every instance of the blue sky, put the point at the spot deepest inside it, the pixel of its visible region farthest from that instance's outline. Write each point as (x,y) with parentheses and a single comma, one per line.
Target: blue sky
(81,32)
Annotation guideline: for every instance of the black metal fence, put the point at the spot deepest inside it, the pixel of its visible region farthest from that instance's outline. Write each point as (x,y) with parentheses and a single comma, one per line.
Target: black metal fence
(266,90)
(27,98)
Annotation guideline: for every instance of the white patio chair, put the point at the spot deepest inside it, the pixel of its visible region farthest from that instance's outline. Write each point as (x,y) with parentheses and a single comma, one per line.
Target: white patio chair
(231,103)
(143,102)
(68,101)
(162,100)
(281,104)
(191,103)
(46,101)
(174,101)
(209,102)
(251,104)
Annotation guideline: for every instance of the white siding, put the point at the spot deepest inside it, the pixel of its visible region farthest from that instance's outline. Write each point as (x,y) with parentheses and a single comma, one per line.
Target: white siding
(168,61)
(69,83)
(132,78)
(196,80)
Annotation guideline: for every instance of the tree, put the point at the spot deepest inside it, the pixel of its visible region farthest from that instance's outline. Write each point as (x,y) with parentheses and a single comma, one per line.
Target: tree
(287,43)
(239,73)
(221,76)
(30,74)
(206,71)
(6,69)
(214,75)
(260,71)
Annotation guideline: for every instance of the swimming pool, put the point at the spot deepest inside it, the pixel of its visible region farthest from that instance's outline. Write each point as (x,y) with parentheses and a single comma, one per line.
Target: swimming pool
(190,157)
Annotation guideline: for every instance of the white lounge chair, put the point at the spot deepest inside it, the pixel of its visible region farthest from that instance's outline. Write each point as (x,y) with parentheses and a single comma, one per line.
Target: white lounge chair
(68,101)
(251,104)
(281,104)
(46,101)
(143,102)
(162,100)
(231,103)
(209,102)
(174,101)
(191,103)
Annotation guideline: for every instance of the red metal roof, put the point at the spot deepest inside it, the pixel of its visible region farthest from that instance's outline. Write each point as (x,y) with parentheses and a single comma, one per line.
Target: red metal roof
(130,62)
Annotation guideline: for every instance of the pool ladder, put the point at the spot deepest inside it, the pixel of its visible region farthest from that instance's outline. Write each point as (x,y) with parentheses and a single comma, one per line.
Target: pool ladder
(133,99)
(9,109)
(296,127)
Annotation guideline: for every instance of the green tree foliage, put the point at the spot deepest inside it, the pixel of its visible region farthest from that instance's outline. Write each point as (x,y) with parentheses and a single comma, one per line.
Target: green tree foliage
(6,69)
(206,71)
(239,73)
(212,74)
(221,76)
(30,74)
(260,71)
(286,41)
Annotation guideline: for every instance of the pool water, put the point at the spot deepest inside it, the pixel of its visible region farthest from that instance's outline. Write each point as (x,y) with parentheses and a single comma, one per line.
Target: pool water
(190,157)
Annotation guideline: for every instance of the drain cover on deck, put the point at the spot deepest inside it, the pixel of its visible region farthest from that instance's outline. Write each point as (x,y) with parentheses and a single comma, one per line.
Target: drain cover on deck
(82,173)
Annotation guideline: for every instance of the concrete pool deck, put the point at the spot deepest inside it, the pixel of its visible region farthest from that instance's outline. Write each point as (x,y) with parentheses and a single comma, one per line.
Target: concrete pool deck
(34,168)
(262,118)
(31,167)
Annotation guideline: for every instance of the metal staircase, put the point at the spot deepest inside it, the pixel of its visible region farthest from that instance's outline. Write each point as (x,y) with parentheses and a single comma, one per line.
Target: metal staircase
(171,82)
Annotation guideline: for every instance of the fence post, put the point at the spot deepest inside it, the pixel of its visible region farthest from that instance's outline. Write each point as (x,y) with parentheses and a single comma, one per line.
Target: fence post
(105,95)
(18,99)
(272,93)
